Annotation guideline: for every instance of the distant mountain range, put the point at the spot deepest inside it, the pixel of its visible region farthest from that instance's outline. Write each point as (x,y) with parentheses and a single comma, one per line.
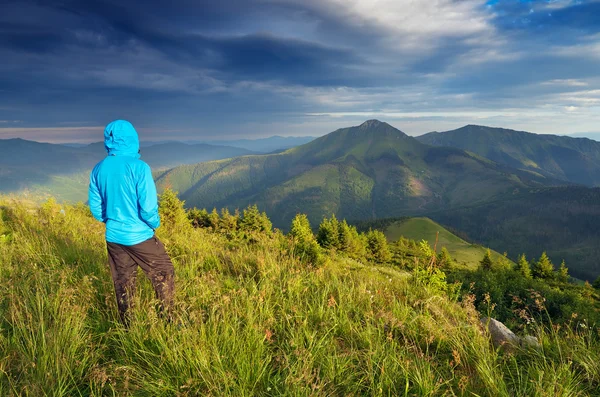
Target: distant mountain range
(365,172)
(575,160)
(33,165)
(259,145)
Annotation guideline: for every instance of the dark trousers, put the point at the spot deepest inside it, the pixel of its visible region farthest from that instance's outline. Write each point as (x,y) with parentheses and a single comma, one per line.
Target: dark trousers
(152,257)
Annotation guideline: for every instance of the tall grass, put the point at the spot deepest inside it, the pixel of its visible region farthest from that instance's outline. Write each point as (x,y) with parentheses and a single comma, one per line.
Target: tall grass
(250,319)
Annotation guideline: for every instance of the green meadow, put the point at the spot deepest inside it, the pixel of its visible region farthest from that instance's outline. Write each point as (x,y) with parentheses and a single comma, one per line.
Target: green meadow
(425,229)
(258,313)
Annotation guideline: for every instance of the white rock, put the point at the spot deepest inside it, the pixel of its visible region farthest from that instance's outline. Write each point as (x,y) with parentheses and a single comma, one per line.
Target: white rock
(501,335)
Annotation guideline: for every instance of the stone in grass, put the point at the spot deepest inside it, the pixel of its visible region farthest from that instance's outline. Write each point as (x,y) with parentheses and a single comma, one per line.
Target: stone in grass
(530,342)
(500,334)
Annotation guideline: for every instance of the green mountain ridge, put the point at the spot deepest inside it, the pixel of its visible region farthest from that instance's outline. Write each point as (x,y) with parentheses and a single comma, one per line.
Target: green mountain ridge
(365,172)
(575,160)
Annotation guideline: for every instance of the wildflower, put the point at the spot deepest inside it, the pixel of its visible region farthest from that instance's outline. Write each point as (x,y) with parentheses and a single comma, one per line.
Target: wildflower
(331,302)
(268,335)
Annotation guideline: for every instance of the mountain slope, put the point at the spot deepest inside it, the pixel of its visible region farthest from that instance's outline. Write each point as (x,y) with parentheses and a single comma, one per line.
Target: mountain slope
(570,159)
(426,229)
(564,221)
(369,171)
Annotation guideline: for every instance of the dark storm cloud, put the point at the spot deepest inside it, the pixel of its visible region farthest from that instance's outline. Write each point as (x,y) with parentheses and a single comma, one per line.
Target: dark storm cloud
(228,64)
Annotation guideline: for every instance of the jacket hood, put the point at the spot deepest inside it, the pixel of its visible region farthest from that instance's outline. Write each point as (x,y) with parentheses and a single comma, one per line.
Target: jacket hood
(121,139)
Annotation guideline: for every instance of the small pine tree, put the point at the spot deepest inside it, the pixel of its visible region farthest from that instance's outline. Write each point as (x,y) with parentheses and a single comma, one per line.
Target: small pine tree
(487,263)
(596,283)
(305,244)
(588,290)
(563,273)
(344,236)
(255,221)
(444,258)
(523,267)
(199,218)
(543,268)
(215,220)
(350,242)
(300,229)
(171,211)
(377,247)
(229,221)
(328,234)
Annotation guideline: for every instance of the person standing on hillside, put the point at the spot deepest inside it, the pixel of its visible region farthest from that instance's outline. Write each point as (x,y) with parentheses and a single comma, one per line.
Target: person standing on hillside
(122,194)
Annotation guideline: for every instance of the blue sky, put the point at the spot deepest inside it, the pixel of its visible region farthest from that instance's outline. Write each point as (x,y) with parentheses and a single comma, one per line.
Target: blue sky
(202,69)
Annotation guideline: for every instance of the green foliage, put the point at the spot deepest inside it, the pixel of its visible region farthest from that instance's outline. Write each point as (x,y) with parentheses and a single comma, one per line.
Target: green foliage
(597,283)
(253,221)
(444,259)
(543,268)
(328,235)
(172,212)
(305,244)
(377,247)
(199,218)
(523,267)
(563,273)
(487,263)
(350,242)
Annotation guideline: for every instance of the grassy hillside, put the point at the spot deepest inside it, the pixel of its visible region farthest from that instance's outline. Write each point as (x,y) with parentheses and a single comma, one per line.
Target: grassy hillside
(364,172)
(251,319)
(571,159)
(425,229)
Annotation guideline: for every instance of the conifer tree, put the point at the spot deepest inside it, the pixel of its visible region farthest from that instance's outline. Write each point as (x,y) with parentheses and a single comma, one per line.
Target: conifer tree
(563,273)
(255,221)
(300,229)
(199,218)
(377,247)
(305,244)
(344,236)
(543,268)
(523,267)
(487,263)
(328,234)
(444,258)
(171,211)
(597,283)
(229,221)
(214,219)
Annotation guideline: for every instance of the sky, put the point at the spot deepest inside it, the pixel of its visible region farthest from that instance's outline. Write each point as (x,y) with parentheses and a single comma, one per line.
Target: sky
(205,69)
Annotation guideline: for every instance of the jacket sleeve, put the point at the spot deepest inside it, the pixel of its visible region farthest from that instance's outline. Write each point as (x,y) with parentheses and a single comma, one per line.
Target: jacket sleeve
(95,199)
(147,199)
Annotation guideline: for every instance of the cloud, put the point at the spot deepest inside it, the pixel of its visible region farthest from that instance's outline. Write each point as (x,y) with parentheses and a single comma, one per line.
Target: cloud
(208,67)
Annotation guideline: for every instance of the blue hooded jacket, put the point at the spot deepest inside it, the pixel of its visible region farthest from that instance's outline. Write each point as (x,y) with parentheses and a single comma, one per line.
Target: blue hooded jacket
(122,193)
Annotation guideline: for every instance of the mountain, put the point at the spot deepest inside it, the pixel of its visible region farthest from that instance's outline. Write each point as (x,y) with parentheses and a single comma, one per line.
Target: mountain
(576,160)
(370,171)
(62,170)
(564,221)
